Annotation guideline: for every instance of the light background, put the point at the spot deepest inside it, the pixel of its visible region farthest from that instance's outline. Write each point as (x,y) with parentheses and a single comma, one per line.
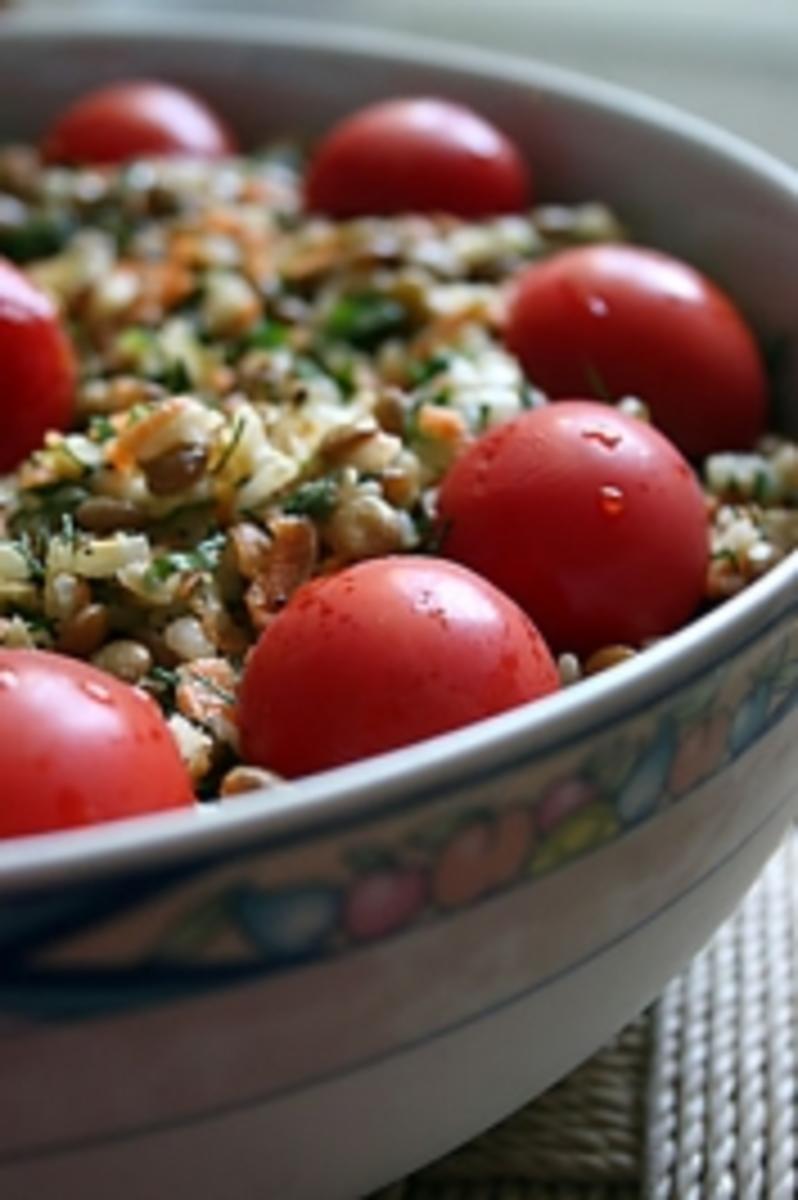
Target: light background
(734,61)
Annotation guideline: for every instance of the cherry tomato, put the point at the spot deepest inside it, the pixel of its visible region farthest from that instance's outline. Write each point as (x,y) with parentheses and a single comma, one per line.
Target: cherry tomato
(78,747)
(419,155)
(628,321)
(591,520)
(139,119)
(380,655)
(37,368)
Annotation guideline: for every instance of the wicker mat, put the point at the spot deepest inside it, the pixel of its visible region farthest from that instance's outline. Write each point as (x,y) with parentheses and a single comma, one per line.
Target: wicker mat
(696,1100)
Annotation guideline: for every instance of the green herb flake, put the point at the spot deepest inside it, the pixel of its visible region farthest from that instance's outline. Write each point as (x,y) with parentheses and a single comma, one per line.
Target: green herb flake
(211,686)
(527,396)
(37,624)
(209,551)
(724,555)
(367,319)
(41,512)
(68,529)
(65,448)
(160,569)
(176,378)
(420,373)
(344,375)
(39,235)
(101,429)
(483,418)
(317,499)
(24,546)
(162,682)
(411,432)
(230,448)
(268,335)
(117,225)
(204,557)
(135,343)
(763,486)
(430,532)
(137,413)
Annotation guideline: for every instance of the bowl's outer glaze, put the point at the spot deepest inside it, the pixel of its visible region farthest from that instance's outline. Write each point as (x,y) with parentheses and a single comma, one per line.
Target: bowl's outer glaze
(376,986)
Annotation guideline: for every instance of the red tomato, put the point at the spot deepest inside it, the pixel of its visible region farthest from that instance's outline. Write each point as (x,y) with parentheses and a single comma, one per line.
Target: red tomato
(382,654)
(77,747)
(136,120)
(37,368)
(591,520)
(420,155)
(636,322)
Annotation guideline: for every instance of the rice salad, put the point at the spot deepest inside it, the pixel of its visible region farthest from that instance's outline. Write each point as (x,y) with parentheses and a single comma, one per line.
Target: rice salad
(266,396)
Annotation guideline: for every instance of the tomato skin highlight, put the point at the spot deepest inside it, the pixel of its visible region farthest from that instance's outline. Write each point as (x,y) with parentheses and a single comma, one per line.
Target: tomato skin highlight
(137,119)
(383,654)
(79,747)
(38,370)
(416,155)
(622,320)
(591,520)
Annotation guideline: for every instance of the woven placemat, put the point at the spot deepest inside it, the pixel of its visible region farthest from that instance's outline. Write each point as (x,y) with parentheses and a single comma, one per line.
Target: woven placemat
(695,1100)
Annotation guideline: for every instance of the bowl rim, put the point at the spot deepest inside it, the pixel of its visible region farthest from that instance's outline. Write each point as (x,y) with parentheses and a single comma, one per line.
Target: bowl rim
(321,804)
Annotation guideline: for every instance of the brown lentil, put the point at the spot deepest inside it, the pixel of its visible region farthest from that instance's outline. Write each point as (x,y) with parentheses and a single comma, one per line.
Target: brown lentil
(105,514)
(176,469)
(83,633)
(126,659)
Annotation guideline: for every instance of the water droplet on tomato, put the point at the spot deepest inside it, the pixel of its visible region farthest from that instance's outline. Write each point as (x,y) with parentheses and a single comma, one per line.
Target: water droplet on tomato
(603,436)
(8,679)
(611,499)
(96,691)
(598,306)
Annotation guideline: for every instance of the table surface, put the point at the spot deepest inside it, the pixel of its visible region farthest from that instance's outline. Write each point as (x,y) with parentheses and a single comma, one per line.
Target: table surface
(695,1100)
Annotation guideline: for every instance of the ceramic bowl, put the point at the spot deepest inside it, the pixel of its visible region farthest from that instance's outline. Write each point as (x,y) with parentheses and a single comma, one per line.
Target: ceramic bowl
(313,991)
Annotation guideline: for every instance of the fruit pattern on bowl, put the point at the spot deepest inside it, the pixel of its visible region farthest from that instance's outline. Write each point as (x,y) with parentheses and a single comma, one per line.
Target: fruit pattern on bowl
(270,910)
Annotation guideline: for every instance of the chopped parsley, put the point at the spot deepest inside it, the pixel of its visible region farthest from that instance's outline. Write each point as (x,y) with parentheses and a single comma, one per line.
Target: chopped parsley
(230,448)
(101,429)
(268,335)
(42,511)
(39,236)
(68,531)
(317,498)
(204,557)
(175,377)
(211,686)
(162,682)
(367,319)
(64,447)
(763,488)
(136,343)
(483,417)
(420,373)
(24,546)
(528,396)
